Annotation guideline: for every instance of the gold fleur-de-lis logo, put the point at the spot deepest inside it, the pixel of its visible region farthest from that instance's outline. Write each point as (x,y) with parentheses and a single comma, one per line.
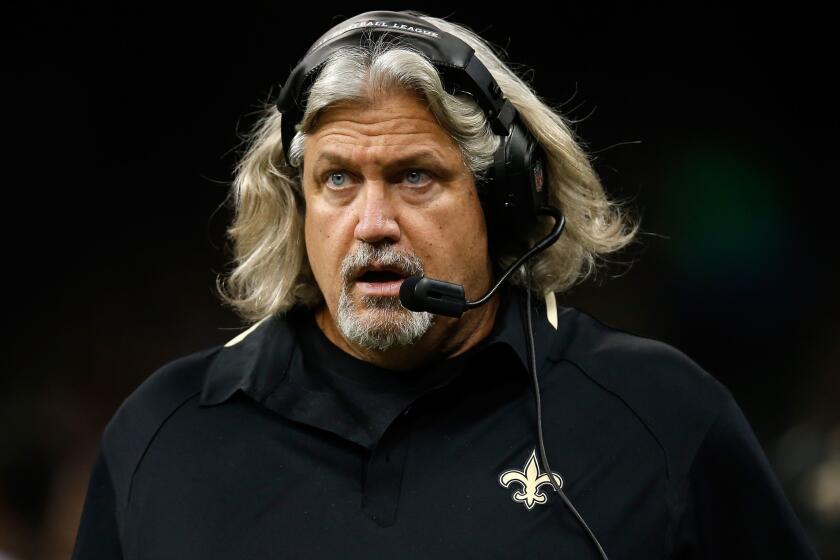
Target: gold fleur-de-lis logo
(531,481)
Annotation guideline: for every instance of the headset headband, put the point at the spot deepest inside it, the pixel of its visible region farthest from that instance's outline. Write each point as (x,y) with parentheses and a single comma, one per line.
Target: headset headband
(455,61)
(511,192)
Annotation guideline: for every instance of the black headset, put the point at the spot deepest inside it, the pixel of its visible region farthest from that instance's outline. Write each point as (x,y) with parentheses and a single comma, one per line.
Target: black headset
(512,190)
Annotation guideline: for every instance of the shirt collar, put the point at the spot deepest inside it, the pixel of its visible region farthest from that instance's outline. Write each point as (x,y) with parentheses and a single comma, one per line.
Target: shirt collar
(249,361)
(258,360)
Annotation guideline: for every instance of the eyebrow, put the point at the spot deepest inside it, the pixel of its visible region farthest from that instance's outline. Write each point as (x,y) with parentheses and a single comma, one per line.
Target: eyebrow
(424,158)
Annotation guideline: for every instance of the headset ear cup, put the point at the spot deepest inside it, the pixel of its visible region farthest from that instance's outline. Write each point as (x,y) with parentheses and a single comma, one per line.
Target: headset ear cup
(517,189)
(485,198)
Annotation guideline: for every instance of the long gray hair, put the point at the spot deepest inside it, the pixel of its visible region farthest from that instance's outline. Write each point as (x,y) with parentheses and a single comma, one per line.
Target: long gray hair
(272,272)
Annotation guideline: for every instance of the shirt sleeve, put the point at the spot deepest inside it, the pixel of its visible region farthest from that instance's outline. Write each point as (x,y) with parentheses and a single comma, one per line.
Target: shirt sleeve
(98,536)
(738,507)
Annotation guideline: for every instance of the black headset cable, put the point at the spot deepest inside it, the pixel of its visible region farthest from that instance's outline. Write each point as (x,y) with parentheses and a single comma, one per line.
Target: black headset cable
(532,360)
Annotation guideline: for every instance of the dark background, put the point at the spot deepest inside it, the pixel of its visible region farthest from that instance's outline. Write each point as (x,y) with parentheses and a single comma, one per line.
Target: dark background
(715,123)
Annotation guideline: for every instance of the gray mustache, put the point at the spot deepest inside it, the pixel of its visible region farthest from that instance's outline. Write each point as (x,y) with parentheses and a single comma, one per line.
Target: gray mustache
(369,254)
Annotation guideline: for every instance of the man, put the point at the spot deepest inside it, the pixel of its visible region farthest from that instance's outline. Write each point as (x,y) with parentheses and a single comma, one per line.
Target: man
(342,424)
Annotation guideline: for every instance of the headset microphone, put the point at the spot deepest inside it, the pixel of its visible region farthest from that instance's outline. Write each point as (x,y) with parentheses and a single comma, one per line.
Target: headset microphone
(419,293)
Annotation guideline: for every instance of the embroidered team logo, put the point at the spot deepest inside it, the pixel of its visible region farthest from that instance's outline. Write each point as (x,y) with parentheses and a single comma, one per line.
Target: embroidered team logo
(530,481)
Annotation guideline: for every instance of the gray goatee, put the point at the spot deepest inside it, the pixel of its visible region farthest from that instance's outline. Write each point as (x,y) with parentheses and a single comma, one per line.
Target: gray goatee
(379,322)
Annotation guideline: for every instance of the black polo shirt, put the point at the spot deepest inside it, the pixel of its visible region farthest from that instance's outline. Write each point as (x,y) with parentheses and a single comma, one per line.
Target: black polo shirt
(280,445)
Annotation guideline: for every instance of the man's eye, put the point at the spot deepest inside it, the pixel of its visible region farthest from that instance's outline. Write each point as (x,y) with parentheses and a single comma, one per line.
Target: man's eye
(417,177)
(337,179)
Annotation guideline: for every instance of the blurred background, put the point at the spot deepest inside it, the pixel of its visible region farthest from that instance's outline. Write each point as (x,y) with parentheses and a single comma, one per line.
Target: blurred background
(714,123)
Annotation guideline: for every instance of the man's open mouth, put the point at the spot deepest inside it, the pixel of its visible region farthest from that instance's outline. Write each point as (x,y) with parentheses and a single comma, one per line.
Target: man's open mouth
(380,281)
(375,276)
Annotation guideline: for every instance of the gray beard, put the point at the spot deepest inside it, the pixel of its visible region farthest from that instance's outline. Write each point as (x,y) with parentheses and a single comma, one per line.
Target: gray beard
(386,324)
(379,322)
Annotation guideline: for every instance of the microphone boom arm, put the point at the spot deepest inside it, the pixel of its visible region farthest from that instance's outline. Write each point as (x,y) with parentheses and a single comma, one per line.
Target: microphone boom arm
(419,293)
(553,235)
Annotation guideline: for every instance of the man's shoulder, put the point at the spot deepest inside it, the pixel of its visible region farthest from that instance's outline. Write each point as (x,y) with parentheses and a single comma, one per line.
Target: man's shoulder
(623,358)
(664,388)
(168,386)
(141,414)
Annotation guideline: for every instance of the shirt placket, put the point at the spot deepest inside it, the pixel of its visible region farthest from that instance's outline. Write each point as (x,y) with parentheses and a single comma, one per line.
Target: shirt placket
(383,472)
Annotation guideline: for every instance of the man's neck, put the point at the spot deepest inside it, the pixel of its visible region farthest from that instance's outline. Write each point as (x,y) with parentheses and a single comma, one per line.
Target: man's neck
(447,338)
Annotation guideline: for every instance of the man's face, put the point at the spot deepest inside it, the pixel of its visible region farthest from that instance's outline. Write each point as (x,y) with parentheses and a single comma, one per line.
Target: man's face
(388,196)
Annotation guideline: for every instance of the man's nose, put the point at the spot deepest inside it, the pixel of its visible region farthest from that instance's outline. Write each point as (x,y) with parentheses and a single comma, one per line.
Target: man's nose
(377,214)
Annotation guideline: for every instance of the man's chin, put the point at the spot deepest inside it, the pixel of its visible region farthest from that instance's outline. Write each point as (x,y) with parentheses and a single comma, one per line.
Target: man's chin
(379,303)
(381,322)
(385,313)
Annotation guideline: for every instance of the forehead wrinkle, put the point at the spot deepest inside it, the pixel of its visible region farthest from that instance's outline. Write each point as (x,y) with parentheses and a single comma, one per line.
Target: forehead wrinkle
(360,133)
(371,138)
(375,117)
(373,131)
(354,147)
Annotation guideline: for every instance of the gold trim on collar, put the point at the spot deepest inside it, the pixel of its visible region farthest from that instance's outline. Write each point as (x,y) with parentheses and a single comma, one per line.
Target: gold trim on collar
(241,336)
(551,308)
